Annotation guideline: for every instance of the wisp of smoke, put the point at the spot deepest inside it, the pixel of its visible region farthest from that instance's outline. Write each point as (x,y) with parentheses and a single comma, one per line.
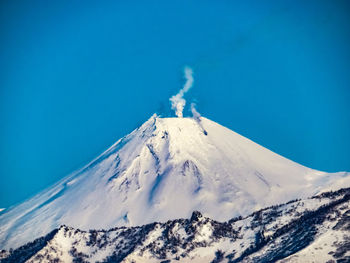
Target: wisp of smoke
(197,117)
(177,101)
(195,113)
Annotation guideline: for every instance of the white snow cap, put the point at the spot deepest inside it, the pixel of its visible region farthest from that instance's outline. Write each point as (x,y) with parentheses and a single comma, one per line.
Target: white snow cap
(163,170)
(177,101)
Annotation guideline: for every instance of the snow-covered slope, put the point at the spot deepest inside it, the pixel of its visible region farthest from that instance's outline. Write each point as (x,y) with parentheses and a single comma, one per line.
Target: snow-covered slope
(163,170)
(311,230)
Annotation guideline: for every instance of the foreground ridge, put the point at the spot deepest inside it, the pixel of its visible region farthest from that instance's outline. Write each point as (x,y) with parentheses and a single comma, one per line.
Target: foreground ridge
(314,229)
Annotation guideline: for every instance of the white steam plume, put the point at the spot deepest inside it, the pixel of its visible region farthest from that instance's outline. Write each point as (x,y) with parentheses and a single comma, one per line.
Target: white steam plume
(177,101)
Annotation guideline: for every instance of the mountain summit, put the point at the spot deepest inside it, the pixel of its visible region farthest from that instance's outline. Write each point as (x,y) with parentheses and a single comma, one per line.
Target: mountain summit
(166,169)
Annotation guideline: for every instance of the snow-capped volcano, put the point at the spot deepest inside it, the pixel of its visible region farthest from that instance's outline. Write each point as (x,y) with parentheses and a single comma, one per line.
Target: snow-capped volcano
(164,170)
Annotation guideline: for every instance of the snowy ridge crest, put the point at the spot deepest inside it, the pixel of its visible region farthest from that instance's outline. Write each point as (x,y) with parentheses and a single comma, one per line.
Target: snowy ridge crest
(310,230)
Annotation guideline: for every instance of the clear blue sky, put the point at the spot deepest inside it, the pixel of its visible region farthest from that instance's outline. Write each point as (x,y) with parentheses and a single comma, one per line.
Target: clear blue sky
(75,76)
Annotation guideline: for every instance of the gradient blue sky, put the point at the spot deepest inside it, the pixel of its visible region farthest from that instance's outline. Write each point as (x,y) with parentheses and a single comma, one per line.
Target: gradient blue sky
(75,76)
